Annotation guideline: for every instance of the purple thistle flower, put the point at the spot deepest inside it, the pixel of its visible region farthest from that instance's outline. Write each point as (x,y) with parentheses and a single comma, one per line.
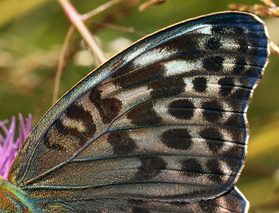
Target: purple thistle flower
(9,147)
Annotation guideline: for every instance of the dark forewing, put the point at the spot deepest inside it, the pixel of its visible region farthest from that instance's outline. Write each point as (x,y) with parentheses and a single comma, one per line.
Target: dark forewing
(165,120)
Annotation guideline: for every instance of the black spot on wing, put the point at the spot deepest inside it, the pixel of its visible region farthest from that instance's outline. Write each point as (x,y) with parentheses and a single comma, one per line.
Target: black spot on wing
(213,44)
(233,164)
(215,146)
(121,142)
(255,72)
(235,92)
(213,110)
(235,120)
(213,63)
(226,81)
(239,65)
(199,84)
(214,166)
(191,167)
(167,87)
(211,133)
(213,139)
(236,151)
(225,91)
(177,139)
(144,115)
(237,134)
(241,93)
(212,116)
(150,167)
(182,109)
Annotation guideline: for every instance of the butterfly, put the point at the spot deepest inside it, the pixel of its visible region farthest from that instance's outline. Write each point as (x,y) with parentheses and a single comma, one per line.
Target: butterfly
(160,127)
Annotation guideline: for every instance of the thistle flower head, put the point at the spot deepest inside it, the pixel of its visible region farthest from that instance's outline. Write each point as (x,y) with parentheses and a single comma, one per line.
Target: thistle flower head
(9,145)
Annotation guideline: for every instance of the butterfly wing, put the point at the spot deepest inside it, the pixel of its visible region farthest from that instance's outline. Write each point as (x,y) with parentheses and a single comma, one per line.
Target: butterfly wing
(163,121)
(231,202)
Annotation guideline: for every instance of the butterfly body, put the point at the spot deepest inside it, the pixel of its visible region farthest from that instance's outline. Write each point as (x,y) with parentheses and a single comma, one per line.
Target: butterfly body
(159,127)
(13,199)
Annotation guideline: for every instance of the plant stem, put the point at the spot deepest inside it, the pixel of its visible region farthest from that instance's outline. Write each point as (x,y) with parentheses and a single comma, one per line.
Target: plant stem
(76,20)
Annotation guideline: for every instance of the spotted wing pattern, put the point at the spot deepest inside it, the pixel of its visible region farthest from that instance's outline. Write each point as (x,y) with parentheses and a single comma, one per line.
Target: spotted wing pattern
(159,127)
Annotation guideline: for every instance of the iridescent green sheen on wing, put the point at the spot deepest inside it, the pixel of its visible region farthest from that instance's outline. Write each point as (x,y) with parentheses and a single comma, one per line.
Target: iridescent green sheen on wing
(13,199)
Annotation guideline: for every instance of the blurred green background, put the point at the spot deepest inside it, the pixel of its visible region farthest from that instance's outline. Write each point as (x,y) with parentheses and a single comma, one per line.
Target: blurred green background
(33,31)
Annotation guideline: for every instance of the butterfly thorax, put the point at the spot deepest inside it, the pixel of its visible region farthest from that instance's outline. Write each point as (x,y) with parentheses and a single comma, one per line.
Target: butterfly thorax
(15,200)
(12,199)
